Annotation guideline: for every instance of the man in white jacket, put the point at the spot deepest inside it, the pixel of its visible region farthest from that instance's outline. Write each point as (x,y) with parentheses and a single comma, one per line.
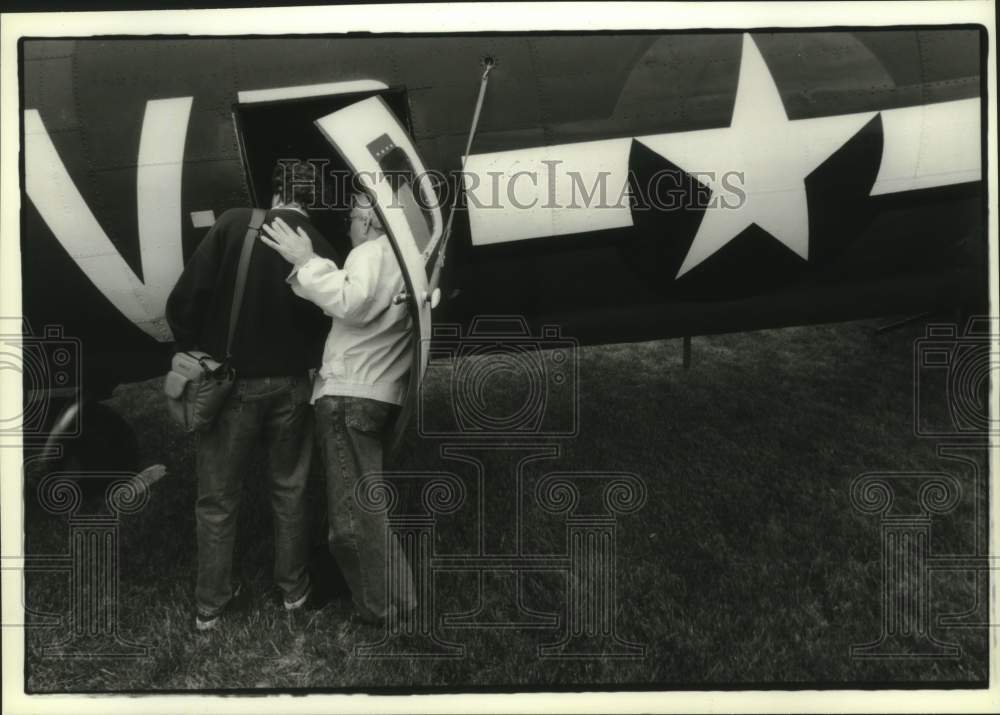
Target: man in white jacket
(358,388)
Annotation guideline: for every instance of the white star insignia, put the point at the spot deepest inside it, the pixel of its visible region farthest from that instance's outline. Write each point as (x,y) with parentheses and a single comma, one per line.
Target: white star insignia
(774,155)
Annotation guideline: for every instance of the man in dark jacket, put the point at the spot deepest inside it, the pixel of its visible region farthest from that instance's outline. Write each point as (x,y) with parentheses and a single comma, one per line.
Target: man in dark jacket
(278,339)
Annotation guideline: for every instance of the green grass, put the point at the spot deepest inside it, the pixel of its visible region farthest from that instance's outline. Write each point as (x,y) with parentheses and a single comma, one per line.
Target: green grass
(747,564)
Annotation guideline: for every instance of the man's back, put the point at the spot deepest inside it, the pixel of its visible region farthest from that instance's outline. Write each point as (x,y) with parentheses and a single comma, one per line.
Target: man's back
(278,333)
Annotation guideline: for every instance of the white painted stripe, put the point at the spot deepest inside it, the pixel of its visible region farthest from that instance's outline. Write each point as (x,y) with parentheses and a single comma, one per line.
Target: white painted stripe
(930,145)
(310,90)
(158,194)
(67,215)
(202,219)
(542,191)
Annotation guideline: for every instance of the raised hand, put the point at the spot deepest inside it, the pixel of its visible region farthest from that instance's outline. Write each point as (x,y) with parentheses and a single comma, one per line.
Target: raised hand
(294,246)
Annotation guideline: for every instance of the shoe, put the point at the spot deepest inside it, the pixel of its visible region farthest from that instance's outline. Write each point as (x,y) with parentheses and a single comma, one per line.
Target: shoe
(205,623)
(236,602)
(312,600)
(299,602)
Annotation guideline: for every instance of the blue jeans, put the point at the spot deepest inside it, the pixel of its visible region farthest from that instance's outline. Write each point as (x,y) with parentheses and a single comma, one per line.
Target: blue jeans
(351,431)
(274,412)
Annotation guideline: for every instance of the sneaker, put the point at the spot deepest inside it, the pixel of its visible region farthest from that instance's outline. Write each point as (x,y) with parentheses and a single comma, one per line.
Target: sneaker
(312,600)
(207,623)
(300,602)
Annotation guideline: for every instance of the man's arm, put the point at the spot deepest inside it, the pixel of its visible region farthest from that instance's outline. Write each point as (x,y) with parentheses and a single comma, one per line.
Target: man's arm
(346,293)
(186,306)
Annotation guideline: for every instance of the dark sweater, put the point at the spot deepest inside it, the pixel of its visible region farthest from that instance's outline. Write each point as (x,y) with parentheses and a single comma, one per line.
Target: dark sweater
(278,333)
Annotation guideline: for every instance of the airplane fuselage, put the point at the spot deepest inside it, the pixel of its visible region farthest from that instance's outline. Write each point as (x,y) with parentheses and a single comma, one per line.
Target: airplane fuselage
(623,186)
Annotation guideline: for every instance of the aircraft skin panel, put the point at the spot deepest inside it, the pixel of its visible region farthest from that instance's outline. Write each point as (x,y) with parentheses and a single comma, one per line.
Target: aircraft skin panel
(928,146)
(58,293)
(653,321)
(202,219)
(543,191)
(309,90)
(48,49)
(142,298)
(890,201)
(677,95)
(531,193)
(63,209)
(267,63)
(53,93)
(158,192)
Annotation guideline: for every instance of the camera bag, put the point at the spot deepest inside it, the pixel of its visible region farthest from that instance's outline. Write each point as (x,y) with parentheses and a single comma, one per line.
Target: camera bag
(198,384)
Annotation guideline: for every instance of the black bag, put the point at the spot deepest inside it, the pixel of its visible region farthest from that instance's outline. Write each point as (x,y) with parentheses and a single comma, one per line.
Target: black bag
(197,384)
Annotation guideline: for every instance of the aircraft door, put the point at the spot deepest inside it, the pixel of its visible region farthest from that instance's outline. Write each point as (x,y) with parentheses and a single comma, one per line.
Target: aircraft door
(376,147)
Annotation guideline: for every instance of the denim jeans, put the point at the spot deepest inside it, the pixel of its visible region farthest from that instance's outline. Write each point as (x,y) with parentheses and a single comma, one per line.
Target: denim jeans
(351,431)
(273,412)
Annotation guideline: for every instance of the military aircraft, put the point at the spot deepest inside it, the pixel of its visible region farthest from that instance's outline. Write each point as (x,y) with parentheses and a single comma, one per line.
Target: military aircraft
(622,186)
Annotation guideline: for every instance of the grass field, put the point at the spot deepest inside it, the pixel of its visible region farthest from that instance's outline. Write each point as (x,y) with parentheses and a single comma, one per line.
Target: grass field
(747,564)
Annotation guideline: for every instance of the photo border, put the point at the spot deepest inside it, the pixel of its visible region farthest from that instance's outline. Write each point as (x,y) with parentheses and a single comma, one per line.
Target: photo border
(438,18)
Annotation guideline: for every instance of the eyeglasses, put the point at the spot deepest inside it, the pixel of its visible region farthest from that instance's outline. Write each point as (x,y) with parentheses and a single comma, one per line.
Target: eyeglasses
(368,216)
(362,201)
